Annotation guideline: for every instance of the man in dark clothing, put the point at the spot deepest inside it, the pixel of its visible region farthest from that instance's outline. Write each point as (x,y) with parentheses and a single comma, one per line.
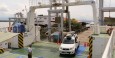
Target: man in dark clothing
(29,52)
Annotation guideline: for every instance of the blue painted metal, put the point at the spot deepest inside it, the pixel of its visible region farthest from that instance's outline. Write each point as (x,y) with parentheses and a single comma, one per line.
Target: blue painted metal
(80,50)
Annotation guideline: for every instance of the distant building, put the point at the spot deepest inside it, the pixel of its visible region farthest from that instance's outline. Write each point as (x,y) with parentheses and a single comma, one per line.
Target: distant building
(43,20)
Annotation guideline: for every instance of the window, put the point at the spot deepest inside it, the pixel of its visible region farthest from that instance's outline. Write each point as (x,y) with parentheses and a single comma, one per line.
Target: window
(68,41)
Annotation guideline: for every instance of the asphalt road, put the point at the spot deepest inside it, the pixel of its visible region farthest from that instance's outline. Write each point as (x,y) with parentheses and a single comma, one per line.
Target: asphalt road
(83,36)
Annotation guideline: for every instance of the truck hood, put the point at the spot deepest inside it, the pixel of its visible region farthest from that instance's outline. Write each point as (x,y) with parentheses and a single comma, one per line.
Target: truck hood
(67,45)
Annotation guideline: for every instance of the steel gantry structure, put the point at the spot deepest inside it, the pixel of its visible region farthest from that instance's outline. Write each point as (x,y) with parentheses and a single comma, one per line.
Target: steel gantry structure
(103,9)
(64,3)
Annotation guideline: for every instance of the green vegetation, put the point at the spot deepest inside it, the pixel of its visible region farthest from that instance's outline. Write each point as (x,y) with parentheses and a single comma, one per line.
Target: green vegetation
(75,25)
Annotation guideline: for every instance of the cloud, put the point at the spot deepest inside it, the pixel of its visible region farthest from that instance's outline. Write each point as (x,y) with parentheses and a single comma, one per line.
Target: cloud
(109,3)
(4,11)
(3,7)
(9,8)
(81,11)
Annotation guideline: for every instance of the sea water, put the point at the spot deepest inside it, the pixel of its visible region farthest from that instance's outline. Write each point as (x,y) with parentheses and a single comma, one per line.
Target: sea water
(4,24)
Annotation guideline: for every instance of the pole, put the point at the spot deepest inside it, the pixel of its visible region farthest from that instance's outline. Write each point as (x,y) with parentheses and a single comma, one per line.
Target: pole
(69,21)
(101,12)
(9,28)
(35,34)
(49,25)
(62,25)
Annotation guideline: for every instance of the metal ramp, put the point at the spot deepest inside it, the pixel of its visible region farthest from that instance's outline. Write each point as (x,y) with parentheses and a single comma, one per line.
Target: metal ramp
(6,36)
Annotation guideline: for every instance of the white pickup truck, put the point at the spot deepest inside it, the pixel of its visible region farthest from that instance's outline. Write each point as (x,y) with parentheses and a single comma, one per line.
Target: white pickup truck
(69,44)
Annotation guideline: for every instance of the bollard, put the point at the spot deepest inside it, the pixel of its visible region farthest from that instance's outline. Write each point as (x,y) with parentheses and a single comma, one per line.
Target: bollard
(20,40)
(1,50)
(90,46)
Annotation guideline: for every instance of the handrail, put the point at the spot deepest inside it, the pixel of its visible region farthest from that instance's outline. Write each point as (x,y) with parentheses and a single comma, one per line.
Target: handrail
(4,29)
(108,52)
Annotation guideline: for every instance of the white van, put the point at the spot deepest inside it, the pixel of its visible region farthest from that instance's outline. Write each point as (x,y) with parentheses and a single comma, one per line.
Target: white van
(69,44)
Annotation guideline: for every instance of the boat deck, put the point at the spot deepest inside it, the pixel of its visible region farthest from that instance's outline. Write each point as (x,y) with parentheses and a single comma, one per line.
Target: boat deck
(44,50)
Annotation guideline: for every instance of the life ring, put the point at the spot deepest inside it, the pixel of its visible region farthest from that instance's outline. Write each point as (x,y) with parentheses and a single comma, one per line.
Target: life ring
(9,29)
(109,31)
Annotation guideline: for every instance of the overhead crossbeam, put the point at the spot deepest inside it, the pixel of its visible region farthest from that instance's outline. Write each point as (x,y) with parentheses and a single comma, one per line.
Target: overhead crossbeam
(66,4)
(108,9)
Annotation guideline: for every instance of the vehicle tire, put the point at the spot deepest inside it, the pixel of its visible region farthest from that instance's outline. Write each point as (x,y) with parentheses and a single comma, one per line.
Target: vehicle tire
(74,54)
(60,54)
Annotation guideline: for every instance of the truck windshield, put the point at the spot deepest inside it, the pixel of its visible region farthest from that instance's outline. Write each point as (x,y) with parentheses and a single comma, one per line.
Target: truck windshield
(66,41)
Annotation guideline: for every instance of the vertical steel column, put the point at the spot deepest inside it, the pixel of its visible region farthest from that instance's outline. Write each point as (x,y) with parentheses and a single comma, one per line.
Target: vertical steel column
(51,4)
(96,21)
(9,28)
(49,21)
(62,25)
(57,16)
(62,19)
(69,21)
(101,19)
(49,25)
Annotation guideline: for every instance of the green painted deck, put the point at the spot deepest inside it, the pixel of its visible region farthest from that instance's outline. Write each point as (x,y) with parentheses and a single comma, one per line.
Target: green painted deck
(40,49)
(102,36)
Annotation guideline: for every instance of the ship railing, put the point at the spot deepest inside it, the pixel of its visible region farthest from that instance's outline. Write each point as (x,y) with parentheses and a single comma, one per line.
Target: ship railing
(109,50)
(4,29)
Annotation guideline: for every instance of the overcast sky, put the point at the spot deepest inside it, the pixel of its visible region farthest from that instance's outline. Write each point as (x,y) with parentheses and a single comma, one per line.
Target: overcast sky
(9,7)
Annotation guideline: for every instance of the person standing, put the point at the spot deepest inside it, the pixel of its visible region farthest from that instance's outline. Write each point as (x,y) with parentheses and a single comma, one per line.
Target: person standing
(29,51)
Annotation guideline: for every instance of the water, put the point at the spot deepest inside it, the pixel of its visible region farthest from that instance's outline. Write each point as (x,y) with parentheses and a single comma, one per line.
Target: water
(4,24)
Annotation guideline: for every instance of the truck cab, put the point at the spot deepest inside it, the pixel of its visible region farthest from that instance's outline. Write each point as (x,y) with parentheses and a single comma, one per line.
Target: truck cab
(69,44)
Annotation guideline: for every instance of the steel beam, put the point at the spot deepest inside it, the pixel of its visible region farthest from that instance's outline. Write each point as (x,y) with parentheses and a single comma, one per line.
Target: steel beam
(65,4)
(17,18)
(6,20)
(108,9)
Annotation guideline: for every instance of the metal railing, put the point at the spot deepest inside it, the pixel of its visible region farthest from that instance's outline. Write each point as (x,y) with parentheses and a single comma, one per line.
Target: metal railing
(109,50)
(4,29)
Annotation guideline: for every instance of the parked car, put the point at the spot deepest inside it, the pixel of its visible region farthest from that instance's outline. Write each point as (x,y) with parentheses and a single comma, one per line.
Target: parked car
(69,44)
